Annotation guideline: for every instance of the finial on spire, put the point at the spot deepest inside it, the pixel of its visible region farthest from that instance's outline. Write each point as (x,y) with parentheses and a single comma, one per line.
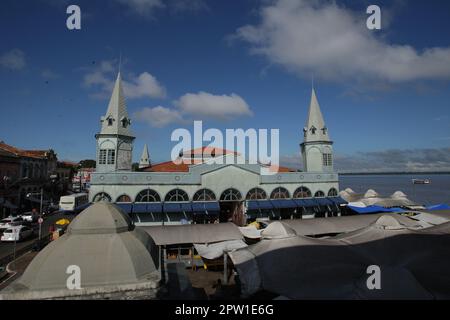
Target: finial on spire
(312,81)
(120,61)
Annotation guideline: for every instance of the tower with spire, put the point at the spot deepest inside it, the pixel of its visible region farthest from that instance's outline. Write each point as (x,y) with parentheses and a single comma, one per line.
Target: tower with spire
(115,140)
(145,159)
(316,149)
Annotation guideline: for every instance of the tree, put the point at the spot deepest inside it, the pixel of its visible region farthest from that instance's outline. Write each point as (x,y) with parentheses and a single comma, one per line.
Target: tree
(88,163)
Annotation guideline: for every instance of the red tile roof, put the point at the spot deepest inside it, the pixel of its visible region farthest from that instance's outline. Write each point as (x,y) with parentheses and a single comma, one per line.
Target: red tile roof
(183,166)
(38,154)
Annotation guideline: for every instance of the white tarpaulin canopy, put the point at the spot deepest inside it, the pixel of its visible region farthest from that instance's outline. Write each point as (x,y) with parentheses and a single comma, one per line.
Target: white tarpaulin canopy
(414,263)
(215,250)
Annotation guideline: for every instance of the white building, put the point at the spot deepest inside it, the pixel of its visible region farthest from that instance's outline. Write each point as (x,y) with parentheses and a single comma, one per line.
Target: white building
(202,191)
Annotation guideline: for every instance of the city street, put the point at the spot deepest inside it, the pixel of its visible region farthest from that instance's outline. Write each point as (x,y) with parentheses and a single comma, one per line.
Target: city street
(7,248)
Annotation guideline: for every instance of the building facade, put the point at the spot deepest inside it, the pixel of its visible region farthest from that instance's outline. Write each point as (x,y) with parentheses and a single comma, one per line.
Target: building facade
(169,192)
(26,171)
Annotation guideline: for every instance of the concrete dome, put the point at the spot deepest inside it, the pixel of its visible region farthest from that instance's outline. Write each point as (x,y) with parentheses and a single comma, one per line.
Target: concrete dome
(106,247)
(101,217)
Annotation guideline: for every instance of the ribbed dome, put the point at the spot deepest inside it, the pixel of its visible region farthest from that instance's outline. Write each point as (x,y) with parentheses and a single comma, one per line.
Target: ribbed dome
(106,247)
(101,217)
(278,230)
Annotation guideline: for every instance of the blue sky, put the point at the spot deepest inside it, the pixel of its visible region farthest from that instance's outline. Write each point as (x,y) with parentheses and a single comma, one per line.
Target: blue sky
(384,94)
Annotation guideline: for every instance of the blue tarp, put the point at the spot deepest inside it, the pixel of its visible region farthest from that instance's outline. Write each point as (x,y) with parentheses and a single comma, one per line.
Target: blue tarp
(374,209)
(441,206)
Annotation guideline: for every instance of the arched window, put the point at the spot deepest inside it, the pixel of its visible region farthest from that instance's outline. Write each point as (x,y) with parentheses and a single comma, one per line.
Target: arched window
(302,192)
(102,196)
(256,193)
(279,193)
(123,198)
(231,195)
(332,193)
(319,194)
(176,195)
(148,195)
(204,195)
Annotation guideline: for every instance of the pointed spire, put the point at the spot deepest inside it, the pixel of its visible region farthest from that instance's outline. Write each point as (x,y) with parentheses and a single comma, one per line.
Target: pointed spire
(116,120)
(145,159)
(315,129)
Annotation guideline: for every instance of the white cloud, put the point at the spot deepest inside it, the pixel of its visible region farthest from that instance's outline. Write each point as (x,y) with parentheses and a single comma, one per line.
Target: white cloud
(158,116)
(143,85)
(13,59)
(222,107)
(333,43)
(195,106)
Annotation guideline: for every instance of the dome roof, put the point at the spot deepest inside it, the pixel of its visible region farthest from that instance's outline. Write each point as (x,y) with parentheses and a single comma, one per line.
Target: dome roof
(102,242)
(101,217)
(278,230)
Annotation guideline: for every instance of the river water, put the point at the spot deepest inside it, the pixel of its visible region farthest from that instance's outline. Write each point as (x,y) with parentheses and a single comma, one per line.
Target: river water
(438,191)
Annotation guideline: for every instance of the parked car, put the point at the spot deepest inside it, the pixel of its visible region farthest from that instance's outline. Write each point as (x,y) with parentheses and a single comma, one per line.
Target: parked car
(17,233)
(29,216)
(10,222)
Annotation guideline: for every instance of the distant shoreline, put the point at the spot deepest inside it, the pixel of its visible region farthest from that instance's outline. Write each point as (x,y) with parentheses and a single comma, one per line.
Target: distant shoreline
(390,173)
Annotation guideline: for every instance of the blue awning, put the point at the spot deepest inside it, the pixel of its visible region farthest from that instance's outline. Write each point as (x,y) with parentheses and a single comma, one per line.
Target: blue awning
(172,207)
(186,207)
(212,206)
(306,202)
(154,207)
(324,201)
(283,203)
(139,208)
(126,207)
(252,205)
(265,204)
(338,200)
(198,206)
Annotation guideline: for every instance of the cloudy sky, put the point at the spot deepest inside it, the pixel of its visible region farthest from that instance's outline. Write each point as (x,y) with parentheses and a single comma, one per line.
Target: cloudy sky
(233,64)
